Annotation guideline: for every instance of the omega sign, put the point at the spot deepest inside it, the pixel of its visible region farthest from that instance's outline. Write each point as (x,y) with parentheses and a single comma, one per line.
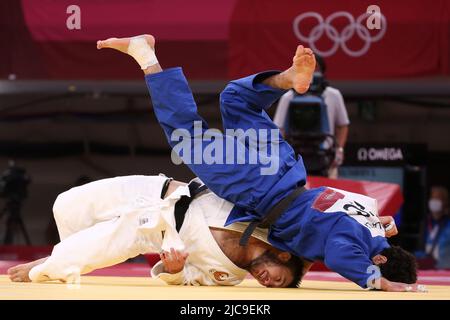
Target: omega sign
(380,154)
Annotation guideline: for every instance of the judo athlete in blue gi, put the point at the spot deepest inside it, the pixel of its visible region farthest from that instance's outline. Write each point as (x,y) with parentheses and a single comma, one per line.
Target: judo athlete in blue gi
(323,224)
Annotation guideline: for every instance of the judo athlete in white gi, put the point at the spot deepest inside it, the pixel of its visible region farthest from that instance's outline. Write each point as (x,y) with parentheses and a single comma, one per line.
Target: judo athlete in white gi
(106,222)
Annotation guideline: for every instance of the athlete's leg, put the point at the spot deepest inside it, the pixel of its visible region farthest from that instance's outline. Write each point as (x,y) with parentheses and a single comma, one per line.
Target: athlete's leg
(101,245)
(136,229)
(172,99)
(84,206)
(243,101)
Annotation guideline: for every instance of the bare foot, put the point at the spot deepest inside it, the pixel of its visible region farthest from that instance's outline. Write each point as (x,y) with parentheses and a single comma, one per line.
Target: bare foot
(299,75)
(141,48)
(20,272)
(302,69)
(122,44)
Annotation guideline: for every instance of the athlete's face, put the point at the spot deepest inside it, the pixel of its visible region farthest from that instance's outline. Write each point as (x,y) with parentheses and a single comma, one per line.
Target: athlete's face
(270,271)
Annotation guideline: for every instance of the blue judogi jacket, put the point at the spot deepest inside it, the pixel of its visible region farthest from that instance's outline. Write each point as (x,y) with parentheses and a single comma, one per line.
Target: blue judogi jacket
(341,242)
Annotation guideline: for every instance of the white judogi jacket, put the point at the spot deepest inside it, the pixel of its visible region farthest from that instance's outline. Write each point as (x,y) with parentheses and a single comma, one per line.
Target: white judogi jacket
(206,263)
(109,221)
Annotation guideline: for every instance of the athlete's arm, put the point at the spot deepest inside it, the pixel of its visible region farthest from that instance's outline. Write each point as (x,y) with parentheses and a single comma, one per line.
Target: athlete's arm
(190,275)
(386,285)
(350,261)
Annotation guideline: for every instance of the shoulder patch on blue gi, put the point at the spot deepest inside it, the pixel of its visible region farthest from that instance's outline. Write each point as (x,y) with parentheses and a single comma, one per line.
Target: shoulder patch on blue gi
(327,199)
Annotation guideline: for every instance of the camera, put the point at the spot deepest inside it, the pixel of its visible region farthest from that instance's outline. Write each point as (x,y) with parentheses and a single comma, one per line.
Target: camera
(13,183)
(13,187)
(318,84)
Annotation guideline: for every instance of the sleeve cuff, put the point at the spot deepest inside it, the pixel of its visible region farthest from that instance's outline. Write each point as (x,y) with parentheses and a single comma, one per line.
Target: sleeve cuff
(171,278)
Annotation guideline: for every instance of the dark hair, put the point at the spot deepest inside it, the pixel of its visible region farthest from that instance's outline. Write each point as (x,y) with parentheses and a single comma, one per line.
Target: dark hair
(295,265)
(401,266)
(321,62)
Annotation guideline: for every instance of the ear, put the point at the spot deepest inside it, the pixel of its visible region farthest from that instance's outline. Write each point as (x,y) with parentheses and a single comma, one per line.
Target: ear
(284,256)
(379,259)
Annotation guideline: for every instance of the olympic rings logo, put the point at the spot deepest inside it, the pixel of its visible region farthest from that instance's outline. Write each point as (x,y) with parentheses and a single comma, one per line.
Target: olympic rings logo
(339,38)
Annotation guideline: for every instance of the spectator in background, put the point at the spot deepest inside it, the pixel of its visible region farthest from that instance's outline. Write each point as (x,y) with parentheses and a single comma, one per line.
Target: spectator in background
(337,116)
(437,245)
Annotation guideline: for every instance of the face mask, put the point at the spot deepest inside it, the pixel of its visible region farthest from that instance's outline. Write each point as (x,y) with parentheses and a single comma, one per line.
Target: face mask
(435,205)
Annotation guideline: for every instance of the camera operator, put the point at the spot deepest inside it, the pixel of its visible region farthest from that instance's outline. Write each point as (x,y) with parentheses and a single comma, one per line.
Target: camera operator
(337,116)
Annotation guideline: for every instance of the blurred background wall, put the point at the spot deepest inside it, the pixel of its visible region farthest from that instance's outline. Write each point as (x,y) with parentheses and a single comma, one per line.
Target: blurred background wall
(68,110)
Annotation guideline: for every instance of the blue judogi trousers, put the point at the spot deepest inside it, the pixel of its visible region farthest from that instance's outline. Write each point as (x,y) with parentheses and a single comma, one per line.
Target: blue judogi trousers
(242,105)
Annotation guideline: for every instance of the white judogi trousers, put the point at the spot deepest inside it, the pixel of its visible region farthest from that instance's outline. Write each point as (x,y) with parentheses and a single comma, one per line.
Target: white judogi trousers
(107,222)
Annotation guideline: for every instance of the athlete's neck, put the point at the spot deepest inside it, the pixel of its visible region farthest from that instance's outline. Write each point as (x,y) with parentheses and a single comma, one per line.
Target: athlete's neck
(228,241)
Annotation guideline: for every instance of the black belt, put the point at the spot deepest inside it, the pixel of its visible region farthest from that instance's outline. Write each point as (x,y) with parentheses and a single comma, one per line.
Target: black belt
(182,205)
(165,187)
(272,216)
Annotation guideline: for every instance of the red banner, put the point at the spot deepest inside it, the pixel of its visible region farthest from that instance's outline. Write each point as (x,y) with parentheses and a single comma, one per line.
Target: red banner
(167,20)
(191,34)
(227,39)
(413,39)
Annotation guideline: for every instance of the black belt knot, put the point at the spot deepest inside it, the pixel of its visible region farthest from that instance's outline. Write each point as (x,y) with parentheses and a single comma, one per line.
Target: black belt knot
(182,205)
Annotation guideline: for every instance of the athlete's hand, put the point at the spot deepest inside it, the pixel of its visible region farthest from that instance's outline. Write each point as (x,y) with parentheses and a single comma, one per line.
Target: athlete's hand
(389,226)
(174,260)
(391,286)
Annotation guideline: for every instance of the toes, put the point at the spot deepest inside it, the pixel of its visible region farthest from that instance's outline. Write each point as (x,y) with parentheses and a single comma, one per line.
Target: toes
(15,278)
(13,270)
(312,60)
(305,59)
(308,51)
(301,59)
(303,51)
(19,279)
(299,50)
(104,43)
